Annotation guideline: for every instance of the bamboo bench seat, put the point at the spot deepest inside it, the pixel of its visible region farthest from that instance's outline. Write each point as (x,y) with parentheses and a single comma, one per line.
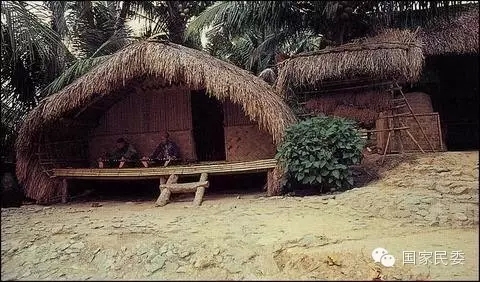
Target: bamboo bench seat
(172,172)
(156,172)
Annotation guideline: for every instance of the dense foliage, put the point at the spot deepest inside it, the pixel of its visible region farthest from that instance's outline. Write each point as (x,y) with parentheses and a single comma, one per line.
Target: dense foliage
(45,45)
(320,150)
(250,33)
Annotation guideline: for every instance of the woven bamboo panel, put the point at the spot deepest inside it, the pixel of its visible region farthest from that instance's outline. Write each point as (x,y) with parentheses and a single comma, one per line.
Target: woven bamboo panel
(153,110)
(142,118)
(234,115)
(247,142)
(155,172)
(157,110)
(431,125)
(178,109)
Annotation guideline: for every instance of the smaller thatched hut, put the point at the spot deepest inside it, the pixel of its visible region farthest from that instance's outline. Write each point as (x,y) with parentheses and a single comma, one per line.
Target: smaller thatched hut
(354,81)
(393,54)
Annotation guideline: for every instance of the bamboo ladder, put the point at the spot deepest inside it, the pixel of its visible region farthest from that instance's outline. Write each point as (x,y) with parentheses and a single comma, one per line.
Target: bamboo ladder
(399,101)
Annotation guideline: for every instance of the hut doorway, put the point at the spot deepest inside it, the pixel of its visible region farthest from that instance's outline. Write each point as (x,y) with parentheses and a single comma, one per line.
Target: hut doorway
(455,97)
(208,131)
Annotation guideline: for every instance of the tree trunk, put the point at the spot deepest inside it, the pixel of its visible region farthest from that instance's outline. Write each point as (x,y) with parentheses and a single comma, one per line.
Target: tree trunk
(176,24)
(120,23)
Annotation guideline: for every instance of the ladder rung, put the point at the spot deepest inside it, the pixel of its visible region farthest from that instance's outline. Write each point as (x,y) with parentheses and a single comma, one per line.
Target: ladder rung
(398,100)
(399,106)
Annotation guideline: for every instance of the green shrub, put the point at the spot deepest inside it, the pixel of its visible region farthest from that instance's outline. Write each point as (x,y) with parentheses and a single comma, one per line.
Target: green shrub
(319,151)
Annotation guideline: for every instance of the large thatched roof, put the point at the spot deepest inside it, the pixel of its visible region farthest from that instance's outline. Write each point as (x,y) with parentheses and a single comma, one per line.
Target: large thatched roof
(393,54)
(165,62)
(456,36)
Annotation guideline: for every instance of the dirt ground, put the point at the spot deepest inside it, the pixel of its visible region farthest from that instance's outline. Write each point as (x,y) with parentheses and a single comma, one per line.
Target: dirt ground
(426,203)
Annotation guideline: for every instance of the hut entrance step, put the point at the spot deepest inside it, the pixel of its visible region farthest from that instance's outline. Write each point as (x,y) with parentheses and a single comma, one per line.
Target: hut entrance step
(172,187)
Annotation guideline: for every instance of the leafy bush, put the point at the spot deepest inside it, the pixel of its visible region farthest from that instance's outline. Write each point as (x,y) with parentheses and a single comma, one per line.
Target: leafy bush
(320,150)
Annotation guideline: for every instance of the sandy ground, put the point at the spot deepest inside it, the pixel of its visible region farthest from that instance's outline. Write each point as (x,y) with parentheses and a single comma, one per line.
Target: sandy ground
(425,204)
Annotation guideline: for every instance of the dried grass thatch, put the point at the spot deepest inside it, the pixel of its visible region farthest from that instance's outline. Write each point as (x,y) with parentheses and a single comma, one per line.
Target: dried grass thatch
(159,61)
(392,54)
(456,36)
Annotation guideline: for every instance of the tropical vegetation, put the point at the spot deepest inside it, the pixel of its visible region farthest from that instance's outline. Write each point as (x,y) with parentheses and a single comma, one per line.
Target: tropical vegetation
(320,151)
(47,45)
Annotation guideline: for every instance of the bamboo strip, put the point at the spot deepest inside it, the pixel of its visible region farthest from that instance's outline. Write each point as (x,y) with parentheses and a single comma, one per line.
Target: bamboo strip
(162,171)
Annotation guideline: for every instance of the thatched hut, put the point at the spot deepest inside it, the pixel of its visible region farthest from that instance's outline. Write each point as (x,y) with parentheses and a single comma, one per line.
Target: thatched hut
(353,81)
(213,110)
(437,63)
(393,54)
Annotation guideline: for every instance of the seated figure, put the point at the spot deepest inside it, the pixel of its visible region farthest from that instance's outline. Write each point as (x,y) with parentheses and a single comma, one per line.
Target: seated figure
(123,153)
(165,153)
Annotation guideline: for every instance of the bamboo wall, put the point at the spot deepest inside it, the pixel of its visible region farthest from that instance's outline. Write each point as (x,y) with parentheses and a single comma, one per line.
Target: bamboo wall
(142,117)
(244,141)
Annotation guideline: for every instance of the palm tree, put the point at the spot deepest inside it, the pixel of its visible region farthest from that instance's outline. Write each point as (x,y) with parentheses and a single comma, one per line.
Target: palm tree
(260,29)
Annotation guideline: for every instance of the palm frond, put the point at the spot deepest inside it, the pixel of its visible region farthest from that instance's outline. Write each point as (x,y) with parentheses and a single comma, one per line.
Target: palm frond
(27,34)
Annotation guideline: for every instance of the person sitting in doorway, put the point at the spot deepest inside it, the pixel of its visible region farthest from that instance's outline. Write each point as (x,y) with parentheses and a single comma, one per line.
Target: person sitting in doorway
(123,153)
(165,153)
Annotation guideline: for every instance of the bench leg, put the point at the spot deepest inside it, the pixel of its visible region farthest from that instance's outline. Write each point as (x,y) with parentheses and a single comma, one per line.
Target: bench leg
(64,191)
(200,191)
(165,193)
(199,196)
(163,198)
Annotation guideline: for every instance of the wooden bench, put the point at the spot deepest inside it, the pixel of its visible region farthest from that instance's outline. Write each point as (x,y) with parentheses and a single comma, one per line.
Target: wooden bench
(172,187)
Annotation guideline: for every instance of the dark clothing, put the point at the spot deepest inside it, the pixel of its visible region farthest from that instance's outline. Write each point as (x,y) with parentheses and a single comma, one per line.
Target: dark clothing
(128,152)
(165,151)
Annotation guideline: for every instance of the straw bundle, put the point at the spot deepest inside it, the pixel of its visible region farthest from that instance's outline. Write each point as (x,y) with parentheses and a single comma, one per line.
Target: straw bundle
(392,54)
(159,61)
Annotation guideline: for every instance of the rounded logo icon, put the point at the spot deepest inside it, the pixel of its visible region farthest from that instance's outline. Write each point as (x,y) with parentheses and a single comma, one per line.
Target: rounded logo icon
(387,260)
(378,253)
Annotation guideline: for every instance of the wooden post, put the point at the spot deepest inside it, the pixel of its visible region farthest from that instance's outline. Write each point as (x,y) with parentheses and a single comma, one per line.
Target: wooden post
(274,177)
(200,191)
(386,147)
(64,191)
(162,180)
(165,193)
(440,135)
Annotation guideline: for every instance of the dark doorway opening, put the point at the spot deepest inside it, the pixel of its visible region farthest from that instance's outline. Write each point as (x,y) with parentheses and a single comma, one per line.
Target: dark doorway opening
(208,132)
(453,88)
